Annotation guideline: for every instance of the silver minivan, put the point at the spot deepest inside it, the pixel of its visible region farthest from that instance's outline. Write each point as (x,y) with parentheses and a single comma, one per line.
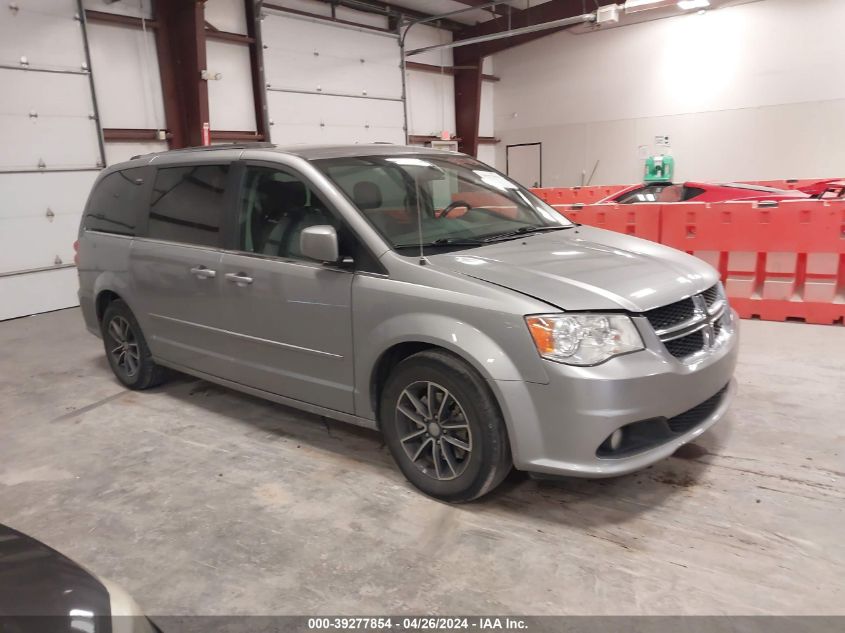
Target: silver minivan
(413,291)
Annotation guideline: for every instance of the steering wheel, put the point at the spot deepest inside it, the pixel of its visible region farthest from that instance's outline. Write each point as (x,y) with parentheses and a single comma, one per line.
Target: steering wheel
(457,204)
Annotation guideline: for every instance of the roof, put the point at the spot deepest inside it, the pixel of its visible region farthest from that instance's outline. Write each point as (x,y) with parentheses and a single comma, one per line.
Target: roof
(309,152)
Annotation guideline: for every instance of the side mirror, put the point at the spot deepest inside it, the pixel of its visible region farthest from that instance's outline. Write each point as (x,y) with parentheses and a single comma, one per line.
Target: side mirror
(319,242)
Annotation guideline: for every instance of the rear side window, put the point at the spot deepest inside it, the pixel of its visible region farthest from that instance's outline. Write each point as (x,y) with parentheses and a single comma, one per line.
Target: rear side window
(113,206)
(187,204)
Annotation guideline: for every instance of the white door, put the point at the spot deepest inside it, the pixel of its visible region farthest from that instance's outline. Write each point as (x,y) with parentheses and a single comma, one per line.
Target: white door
(331,83)
(525,163)
(50,154)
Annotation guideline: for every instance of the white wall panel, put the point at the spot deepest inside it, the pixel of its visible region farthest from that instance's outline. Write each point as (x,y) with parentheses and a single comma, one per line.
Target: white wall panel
(230,99)
(423,35)
(126,77)
(43,291)
(370,19)
(118,152)
(486,118)
(135,8)
(743,92)
(313,56)
(317,119)
(226,15)
(316,7)
(431,102)
(487,155)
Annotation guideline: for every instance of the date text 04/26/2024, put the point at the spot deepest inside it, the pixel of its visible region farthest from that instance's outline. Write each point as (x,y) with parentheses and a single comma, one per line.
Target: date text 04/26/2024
(417,623)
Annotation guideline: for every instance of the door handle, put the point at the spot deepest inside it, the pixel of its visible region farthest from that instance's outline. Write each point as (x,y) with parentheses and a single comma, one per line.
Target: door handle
(239,278)
(203,273)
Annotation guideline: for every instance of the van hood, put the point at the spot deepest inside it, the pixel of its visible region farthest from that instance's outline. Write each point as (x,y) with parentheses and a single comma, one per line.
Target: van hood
(585,268)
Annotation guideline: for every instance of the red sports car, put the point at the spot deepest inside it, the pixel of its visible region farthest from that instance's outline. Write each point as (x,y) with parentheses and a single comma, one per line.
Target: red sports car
(709,192)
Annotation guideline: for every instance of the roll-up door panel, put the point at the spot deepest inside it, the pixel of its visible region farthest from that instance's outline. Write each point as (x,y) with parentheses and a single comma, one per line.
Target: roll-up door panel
(59,43)
(331,83)
(323,57)
(39,217)
(307,118)
(45,117)
(50,154)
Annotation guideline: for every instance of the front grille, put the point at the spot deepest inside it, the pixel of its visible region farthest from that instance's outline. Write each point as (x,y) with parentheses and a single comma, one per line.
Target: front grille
(686,345)
(695,416)
(702,313)
(673,314)
(711,295)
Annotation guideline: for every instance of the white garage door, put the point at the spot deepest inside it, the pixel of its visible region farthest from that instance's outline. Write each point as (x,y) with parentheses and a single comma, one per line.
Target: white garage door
(49,156)
(331,83)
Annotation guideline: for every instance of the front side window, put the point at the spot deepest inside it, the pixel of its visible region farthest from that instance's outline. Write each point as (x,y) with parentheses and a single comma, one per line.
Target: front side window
(448,201)
(273,209)
(187,204)
(113,207)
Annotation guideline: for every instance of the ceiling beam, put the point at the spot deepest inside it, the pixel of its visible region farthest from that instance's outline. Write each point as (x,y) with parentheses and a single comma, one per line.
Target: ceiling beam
(546,12)
(393,11)
(498,10)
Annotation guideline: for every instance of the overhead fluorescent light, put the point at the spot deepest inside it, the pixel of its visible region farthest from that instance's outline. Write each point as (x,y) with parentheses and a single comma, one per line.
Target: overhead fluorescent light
(632,6)
(686,5)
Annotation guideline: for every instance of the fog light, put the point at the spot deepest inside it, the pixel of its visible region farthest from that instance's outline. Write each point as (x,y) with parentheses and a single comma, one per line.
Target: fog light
(616,439)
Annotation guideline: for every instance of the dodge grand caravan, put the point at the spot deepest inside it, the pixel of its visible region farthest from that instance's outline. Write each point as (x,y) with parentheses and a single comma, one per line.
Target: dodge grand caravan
(416,292)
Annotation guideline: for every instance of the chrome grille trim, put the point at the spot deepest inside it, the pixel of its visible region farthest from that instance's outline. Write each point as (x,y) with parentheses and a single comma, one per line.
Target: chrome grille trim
(706,324)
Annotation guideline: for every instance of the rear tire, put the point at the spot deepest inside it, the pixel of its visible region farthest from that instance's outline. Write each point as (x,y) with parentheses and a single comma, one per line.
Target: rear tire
(126,349)
(444,427)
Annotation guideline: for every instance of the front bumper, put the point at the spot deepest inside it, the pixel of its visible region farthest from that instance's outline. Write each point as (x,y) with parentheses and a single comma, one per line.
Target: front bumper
(560,427)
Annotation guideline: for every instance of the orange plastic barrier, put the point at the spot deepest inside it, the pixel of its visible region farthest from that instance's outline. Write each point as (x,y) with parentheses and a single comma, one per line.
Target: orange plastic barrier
(777,262)
(640,220)
(571,195)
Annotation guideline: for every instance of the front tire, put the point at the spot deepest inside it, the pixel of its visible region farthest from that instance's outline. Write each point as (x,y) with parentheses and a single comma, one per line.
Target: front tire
(444,427)
(126,349)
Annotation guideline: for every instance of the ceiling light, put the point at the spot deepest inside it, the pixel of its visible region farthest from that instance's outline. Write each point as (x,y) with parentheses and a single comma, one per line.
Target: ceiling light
(632,6)
(686,5)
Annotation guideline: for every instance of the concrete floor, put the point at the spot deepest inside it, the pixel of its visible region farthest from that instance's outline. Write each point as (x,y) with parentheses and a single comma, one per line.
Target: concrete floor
(199,500)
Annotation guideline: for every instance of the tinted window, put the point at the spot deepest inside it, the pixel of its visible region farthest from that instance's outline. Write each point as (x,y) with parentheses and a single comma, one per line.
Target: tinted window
(187,204)
(649,193)
(113,206)
(692,192)
(274,208)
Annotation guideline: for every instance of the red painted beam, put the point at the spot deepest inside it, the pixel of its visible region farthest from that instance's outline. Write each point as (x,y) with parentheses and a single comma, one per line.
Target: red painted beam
(129,134)
(102,17)
(180,43)
(446,70)
(468,107)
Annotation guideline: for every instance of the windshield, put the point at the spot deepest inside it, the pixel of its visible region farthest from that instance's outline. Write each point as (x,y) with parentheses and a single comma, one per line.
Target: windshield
(452,201)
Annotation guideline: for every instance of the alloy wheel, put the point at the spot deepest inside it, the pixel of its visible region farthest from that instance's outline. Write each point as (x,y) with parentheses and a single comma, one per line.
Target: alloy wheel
(124,348)
(433,430)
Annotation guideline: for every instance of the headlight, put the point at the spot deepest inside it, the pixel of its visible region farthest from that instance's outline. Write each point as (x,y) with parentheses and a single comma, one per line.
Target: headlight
(583,339)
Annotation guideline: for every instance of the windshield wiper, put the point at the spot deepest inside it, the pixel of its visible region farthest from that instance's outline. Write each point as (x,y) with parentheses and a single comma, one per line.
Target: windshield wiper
(444,241)
(524,230)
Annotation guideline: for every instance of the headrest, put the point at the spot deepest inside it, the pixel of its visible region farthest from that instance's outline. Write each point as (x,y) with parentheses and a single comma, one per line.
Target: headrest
(284,195)
(367,195)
